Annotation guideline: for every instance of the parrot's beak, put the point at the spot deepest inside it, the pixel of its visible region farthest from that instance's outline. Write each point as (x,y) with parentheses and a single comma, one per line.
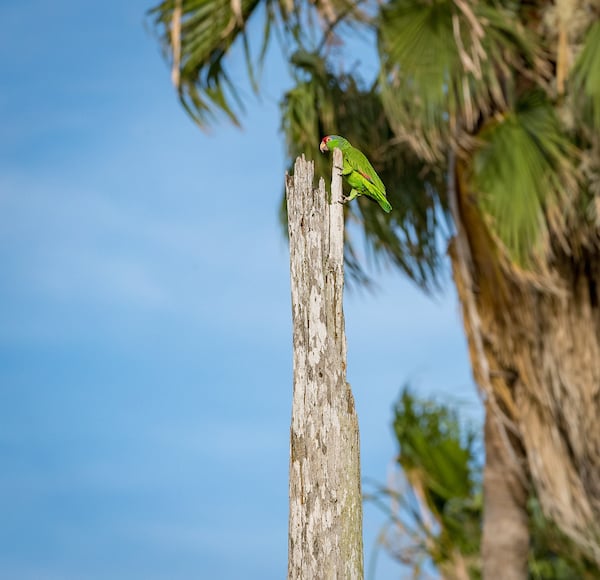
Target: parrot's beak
(323,147)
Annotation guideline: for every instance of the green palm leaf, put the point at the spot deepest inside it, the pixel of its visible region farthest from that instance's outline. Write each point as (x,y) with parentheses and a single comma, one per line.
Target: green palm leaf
(437,456)
(199,35)
(206,31)
(586,78)
(439,459)
(433,443)
(523,172)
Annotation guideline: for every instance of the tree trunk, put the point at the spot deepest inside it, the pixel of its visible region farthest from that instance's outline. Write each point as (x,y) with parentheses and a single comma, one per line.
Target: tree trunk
(325,519)
(505,541)
(540,339)
(548,342)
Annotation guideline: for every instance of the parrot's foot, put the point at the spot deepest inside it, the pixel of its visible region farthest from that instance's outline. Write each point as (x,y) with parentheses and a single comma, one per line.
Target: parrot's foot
(346,198)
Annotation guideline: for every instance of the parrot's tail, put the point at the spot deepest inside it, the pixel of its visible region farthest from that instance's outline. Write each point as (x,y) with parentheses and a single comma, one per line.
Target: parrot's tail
(378,196)
(385,205)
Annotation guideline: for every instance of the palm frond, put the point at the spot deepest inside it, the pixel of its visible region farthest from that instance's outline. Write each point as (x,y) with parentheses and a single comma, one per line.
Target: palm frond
(586,78)
(206,30)
(446,66)
(432,442)
(322,103)
(198,36)
(523,170)
(441,481)
(437,455)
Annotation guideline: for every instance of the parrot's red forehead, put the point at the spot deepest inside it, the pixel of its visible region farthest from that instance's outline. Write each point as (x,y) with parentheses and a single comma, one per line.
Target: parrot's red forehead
(323,147)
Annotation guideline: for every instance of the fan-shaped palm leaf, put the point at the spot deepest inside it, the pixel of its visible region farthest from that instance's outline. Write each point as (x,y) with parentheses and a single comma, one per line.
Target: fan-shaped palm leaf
(523,170)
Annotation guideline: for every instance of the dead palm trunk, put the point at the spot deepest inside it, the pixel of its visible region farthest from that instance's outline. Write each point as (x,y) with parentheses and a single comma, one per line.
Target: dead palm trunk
(325,520)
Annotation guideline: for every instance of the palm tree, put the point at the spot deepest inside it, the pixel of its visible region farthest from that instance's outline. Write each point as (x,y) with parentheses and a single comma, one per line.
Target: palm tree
(433,501)
(484,115)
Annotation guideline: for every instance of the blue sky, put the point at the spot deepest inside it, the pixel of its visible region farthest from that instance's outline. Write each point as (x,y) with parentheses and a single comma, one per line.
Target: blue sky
(145,336)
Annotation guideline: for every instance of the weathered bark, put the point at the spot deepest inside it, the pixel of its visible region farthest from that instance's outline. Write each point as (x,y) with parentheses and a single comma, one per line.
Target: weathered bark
(325,519)
(548,341)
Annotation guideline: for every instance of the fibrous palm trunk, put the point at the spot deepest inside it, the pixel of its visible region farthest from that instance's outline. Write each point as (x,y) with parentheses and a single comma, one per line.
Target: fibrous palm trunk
(535,353)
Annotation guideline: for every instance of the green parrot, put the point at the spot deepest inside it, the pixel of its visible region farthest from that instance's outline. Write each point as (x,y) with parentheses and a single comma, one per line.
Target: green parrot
(357,171)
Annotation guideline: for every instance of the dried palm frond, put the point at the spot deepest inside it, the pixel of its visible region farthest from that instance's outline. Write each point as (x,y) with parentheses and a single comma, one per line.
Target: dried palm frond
(448,65)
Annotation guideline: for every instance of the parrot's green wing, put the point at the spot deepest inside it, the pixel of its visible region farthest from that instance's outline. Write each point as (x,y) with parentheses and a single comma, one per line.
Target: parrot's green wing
(363,178)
